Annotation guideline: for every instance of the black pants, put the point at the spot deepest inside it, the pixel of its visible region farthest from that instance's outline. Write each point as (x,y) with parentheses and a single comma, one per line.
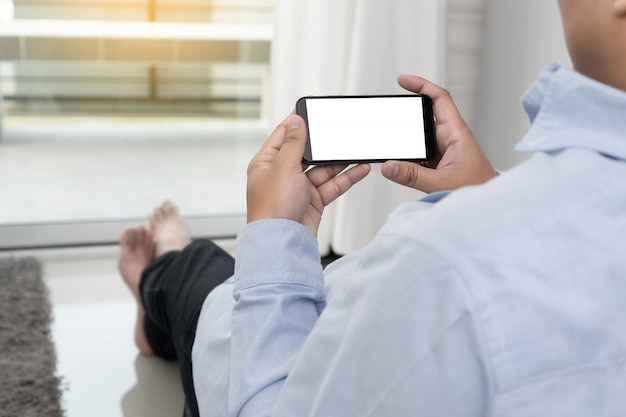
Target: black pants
(173,289)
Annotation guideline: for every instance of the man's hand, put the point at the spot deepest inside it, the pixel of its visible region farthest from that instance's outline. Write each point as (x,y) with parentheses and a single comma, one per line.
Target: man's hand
(460,160)
(278,186)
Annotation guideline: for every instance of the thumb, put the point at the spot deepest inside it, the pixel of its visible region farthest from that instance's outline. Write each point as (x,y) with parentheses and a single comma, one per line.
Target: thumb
(410,174)
(294,140)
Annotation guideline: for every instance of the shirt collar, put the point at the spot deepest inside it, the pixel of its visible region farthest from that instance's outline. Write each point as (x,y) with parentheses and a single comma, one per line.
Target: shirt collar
(569,110)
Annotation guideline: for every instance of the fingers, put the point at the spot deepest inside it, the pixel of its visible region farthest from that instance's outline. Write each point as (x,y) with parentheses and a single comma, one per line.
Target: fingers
(460,160)
(270,148)
(444,108)
(429,180)
(277,185)
(320,174)
(293,142)
(411,175)
(331,183)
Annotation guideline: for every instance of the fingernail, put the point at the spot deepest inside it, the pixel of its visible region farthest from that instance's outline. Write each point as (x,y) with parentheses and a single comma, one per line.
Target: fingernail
(293,122)
(393,172)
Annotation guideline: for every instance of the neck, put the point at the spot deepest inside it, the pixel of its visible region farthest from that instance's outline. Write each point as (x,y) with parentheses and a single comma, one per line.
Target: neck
(611,72)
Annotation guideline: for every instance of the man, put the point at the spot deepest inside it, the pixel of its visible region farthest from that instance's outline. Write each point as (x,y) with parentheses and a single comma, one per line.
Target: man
(506,298)
(178,281)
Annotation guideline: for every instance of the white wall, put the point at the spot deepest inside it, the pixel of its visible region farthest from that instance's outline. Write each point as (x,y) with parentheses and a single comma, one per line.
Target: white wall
(464,49)
(495,50)
(521,39)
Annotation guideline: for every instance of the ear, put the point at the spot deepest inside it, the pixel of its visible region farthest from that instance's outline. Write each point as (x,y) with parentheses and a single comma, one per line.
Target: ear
(619,8)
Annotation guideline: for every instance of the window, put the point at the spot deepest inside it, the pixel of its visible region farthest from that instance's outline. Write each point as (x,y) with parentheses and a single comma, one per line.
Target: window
(108,107)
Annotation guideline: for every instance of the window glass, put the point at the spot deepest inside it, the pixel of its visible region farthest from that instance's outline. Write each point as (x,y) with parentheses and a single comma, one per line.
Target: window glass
(107,108)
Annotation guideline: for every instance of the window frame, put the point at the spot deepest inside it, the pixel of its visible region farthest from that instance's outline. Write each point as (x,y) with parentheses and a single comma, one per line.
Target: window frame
(107,231)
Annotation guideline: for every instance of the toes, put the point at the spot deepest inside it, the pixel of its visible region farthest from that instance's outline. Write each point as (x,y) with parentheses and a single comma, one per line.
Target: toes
(156,216)
(146,235)
(135,237)
(130,236)
(162,212)
(125,237)
(169,208)
(147,242)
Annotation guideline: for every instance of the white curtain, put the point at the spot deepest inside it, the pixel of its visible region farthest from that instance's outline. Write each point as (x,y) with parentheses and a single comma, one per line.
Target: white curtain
(329,47)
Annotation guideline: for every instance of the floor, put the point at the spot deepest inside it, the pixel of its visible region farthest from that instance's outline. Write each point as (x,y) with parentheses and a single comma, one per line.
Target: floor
(72,172)
(103,374)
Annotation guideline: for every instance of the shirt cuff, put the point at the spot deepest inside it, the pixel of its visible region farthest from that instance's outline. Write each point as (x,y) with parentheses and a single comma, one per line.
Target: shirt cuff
(277,251)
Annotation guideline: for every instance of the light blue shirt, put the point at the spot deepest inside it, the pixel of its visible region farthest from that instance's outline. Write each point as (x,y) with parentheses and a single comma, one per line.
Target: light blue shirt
(506,299)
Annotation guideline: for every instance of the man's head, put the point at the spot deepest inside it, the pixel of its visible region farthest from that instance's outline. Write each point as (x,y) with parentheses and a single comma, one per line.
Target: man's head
(595,31)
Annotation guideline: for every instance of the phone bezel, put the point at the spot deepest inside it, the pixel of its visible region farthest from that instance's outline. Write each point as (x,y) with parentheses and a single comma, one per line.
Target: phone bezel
(429,128)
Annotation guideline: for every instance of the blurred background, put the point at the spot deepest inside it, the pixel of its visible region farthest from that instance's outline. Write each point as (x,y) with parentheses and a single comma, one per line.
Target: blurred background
(108,107)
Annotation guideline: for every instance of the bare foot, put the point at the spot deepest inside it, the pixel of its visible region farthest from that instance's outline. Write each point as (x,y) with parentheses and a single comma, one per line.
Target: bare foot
(137,251)
(168,229)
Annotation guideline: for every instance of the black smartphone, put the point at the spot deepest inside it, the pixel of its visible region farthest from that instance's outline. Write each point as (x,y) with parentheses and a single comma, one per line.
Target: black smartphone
(363,129)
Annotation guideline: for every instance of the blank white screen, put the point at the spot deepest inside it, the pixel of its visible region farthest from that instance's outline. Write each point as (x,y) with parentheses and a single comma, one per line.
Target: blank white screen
(366,128)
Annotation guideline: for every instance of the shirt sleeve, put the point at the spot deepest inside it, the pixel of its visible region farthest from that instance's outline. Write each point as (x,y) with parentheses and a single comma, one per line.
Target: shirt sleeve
(399,335)
(279,293)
